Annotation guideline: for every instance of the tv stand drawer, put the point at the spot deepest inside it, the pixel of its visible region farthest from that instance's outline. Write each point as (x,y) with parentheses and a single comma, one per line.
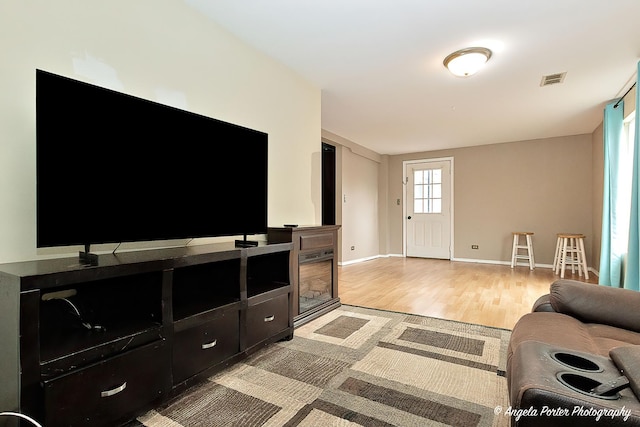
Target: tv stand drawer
(267,318)
(108,391)
(200,347)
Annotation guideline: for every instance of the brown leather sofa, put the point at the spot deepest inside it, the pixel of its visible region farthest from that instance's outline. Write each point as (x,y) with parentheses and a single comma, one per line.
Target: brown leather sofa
(575,359)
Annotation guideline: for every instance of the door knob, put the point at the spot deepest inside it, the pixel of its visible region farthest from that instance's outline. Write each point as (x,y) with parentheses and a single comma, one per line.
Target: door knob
(409,217)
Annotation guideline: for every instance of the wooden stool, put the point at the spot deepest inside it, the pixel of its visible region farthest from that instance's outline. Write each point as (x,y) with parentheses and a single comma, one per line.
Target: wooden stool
(528,247)
(570,251)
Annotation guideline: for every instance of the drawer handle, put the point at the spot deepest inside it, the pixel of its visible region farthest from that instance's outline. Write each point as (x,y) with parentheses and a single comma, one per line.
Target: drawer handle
(114,391)
(209,344)
(269,318)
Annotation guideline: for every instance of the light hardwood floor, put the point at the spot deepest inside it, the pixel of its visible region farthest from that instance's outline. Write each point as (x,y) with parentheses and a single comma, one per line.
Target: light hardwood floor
(485,294)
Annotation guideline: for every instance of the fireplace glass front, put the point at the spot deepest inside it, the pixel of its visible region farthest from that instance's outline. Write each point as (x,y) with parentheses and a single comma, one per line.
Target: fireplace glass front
(315,279)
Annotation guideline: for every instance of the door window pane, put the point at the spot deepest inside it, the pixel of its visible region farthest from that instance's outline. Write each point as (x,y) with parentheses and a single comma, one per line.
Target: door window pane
(427,191)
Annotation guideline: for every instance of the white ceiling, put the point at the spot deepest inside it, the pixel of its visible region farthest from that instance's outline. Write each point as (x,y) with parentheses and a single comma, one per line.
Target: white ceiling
(379,64)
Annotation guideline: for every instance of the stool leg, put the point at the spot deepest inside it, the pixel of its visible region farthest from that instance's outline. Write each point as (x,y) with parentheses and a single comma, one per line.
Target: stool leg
(532,262)
(559,251)
(556,255)
(583,258)
(574,256)
(579,257)
(514,251)
(563,258)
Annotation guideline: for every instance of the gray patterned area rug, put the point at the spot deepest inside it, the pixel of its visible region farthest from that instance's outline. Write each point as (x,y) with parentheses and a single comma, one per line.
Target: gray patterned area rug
(356,366)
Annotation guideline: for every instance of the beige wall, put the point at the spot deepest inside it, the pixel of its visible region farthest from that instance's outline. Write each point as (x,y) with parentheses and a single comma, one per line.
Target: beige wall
(360,215)
(597,143)
(544,186)
(163,51)
(360,188)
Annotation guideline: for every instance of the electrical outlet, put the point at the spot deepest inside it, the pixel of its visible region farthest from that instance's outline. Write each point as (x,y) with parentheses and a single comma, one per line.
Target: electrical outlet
(353,248)
(474,247)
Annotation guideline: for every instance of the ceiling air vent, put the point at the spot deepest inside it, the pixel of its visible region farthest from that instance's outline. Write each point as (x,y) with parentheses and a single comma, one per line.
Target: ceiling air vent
(552,79)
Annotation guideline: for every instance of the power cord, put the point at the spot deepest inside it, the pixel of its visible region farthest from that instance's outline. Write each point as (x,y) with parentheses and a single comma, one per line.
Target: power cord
(77,313)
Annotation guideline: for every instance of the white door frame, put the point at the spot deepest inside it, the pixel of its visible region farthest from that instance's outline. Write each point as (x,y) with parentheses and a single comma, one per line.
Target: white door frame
(405,164)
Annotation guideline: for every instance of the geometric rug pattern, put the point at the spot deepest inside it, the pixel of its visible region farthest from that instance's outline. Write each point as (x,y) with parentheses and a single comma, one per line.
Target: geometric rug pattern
(357,367)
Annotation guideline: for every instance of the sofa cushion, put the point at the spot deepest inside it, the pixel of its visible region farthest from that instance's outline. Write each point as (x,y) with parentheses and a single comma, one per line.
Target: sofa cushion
(597,304)
(554,329)
(606,337)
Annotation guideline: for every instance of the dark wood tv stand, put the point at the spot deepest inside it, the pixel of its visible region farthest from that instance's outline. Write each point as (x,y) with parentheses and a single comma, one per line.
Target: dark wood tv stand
(98,345)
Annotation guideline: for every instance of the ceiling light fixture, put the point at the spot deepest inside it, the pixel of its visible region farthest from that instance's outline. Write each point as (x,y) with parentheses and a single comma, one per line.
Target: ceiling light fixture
(466,62)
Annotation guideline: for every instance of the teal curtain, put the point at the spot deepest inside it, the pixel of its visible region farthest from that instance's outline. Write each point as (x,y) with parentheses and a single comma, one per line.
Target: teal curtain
(614,225)
(632,270)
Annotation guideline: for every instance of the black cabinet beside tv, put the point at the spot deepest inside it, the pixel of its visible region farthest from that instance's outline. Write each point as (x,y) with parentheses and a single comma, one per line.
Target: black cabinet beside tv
(150,324)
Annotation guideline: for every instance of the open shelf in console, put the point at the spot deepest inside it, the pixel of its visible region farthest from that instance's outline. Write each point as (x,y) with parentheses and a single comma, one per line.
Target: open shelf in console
(268,273)
(89,321)
(200,288)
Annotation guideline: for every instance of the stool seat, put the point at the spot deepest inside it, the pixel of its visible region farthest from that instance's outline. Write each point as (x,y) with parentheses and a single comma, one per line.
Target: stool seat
(570,252)
(518,248)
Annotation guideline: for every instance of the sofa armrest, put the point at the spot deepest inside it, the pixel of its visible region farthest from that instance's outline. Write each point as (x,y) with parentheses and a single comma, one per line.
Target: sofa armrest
(627,360)
(597,304)
(543,304)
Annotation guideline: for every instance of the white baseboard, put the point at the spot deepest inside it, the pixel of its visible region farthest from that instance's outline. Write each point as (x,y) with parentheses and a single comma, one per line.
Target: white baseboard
(355,261)
(481,261)
(490,261)
(487,261)
(470,260)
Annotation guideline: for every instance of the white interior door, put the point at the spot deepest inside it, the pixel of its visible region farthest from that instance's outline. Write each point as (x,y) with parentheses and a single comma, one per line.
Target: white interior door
(428,209)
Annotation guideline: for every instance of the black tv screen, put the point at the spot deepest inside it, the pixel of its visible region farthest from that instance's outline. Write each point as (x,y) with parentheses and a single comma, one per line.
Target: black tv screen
(116,168)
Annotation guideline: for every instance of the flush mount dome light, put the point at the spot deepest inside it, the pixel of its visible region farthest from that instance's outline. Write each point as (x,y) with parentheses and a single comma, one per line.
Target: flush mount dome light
(466,62)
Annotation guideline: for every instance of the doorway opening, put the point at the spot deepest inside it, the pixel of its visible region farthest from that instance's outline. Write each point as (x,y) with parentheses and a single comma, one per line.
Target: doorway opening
(328,184)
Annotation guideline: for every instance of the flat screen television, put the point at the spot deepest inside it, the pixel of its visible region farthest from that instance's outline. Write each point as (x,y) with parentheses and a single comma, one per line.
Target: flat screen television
(113,168)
